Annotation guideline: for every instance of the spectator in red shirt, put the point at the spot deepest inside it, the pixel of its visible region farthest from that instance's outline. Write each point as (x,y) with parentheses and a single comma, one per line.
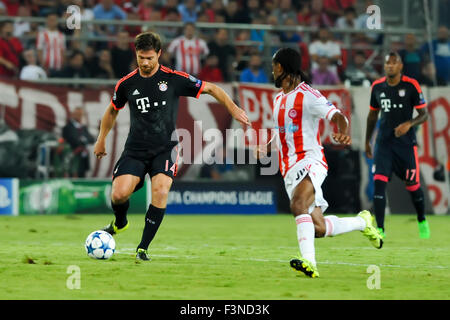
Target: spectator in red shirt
(318,16)
(335,8)
(211,71)
(12,7)
(216,8)
(169,6)
(304,14)
(10,51)
(131,6)
(146,8)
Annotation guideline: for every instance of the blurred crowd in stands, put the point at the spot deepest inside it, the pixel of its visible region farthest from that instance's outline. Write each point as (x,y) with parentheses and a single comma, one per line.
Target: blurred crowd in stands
(30,50)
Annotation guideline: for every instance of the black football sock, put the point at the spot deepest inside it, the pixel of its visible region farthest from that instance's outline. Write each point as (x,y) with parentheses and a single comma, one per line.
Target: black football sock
(418,200)
(379,202)
(153,219)
(120,212)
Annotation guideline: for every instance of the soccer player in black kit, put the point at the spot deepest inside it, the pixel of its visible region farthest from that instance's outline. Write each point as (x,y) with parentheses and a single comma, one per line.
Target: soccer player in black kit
(396,96)
(152,93)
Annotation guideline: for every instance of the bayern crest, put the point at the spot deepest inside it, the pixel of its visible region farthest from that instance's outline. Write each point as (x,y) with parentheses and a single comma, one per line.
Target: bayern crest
(162,85)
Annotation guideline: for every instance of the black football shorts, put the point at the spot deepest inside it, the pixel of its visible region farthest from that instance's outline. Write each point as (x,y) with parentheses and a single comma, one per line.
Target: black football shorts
(138,165)
(403,160)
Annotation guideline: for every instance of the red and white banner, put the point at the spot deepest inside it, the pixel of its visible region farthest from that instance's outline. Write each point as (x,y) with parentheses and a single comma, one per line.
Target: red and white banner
(434,143)
(257,101)
(47,107)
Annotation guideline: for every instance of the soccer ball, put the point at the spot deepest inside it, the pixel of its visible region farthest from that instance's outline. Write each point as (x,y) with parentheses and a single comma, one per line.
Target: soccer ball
(100,245)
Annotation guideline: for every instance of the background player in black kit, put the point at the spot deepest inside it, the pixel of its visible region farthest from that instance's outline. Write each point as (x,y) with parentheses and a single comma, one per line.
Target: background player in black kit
(396,96)
(152,92)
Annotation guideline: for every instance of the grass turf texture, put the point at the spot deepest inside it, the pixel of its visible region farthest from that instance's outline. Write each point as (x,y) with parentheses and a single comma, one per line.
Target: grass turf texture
(219,257)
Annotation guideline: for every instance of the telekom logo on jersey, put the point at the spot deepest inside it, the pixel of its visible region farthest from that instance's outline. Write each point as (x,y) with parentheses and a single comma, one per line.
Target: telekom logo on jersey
(143,104)
(386,105)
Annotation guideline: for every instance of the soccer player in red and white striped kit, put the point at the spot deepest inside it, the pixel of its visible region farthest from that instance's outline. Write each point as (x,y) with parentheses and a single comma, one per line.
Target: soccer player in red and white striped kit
(297,110)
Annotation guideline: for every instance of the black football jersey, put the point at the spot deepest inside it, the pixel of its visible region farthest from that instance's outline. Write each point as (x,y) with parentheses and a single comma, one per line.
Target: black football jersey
(396,104)
(153,104)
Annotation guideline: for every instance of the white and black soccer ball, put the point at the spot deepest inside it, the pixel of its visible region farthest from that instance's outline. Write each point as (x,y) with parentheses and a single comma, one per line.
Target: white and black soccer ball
(100,245)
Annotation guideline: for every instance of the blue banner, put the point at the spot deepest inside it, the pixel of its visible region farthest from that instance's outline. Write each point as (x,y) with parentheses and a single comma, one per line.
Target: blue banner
(9,192)
(221,198)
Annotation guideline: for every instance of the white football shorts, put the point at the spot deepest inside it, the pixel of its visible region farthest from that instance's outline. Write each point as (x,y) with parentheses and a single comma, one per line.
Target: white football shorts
(317,173)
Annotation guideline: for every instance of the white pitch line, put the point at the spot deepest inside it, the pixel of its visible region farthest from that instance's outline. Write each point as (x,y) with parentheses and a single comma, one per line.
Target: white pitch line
(326,262)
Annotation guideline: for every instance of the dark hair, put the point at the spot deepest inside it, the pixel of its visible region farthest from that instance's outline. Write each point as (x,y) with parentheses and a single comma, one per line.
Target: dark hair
(394,54)
(350,10)
(172,10)
(51,12)
(75,53)
(291,62)
(147,41)
(192,24)
(5,22)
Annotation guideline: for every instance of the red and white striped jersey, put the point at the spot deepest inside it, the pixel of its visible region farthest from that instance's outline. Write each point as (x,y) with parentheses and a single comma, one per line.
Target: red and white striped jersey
(296,117)
(53,46)
(188,53)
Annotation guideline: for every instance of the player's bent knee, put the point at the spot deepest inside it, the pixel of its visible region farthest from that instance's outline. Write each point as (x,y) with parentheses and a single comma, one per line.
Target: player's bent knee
(122,188)
(160,189)
(160,193)
(120,196)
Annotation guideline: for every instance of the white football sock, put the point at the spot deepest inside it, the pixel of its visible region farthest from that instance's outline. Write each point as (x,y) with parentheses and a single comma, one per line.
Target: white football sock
(336,225)
(305,235)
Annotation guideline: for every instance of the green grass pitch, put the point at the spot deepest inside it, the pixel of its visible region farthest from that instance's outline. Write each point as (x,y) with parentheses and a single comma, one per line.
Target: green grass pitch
(219,257)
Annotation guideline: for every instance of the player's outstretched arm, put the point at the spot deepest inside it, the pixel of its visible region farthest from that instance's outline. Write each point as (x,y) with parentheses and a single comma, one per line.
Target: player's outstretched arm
(372,119)
(222,97)
(342,136)
(108,120)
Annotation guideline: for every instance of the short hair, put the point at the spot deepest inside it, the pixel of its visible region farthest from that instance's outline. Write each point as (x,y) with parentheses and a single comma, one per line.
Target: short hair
(75,53)
(393,54)
(192,24)
(52,12)
(147,41)
(350,10)
(172,10)
(4,23)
